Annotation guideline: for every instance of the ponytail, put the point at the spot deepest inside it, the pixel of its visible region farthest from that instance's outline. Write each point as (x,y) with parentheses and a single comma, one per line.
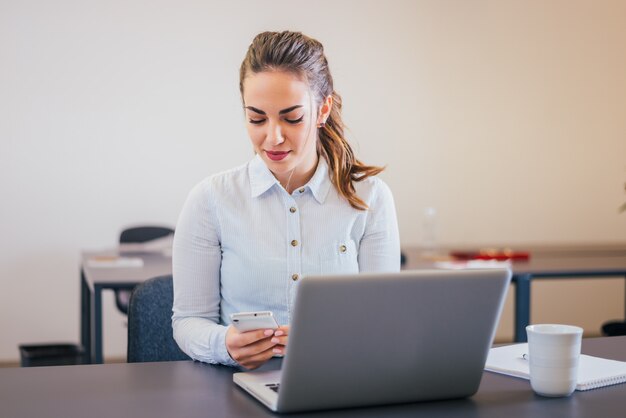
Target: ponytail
(344,168)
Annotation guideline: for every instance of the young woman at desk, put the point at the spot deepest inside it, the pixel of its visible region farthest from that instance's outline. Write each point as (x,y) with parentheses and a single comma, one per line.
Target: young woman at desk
(303,205)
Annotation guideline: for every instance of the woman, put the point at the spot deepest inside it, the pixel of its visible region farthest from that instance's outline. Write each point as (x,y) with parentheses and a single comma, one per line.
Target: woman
(304,205)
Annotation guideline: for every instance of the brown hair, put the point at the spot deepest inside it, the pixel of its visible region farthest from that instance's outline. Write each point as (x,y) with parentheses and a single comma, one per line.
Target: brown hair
(299,54)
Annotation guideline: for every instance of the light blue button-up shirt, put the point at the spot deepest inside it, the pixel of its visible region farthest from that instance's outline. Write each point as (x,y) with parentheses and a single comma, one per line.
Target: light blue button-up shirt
(243,243)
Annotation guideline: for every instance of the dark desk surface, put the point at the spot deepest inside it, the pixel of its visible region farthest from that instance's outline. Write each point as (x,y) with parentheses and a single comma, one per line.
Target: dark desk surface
(189,389)
(562,266)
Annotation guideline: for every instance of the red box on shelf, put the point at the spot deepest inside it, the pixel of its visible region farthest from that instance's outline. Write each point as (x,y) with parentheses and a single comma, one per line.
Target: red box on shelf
(491,254)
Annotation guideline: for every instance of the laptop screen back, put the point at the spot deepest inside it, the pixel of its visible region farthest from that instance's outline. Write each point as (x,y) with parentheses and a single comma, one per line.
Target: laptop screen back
(370,339)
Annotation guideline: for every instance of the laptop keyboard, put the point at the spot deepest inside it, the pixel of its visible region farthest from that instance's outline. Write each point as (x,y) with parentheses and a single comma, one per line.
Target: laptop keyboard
(273,386)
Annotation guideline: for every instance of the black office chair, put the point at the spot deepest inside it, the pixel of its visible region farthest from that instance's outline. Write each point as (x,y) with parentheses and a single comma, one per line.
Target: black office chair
(614,328)
(150,322)
(138,234)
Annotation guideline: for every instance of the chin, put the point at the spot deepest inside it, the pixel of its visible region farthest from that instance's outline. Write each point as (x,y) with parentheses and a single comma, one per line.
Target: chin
(280,168)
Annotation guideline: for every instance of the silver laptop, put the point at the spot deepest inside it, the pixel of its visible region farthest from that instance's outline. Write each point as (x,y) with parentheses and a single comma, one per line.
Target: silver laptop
(370,339)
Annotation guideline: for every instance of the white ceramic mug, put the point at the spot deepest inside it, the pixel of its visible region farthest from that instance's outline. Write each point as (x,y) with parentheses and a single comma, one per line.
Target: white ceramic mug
(553,352)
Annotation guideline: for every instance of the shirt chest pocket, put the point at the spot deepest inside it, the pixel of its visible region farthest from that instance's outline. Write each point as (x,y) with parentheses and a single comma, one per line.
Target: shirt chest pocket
(339,258)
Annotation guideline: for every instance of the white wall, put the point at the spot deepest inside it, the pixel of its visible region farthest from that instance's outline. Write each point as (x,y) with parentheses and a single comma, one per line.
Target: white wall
(508,116)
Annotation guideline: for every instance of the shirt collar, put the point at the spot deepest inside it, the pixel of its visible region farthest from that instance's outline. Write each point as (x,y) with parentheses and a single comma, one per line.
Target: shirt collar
(320,182)
(262,179)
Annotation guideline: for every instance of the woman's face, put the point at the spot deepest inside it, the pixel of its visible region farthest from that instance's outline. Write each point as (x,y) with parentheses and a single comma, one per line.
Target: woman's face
(281,122)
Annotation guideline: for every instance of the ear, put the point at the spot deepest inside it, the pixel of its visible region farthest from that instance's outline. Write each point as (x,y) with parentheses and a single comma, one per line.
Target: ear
(325,108)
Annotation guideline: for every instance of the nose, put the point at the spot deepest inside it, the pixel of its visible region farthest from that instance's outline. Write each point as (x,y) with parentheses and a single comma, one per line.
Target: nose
(275,134)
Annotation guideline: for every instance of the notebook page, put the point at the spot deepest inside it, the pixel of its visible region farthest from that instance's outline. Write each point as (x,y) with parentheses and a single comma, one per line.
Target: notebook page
(593,372)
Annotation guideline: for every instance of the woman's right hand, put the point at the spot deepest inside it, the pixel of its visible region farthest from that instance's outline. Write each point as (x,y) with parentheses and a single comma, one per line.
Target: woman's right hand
(250,349)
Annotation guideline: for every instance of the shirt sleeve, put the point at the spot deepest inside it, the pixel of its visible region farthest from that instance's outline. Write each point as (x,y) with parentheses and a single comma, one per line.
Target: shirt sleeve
(379,250)
(196,271)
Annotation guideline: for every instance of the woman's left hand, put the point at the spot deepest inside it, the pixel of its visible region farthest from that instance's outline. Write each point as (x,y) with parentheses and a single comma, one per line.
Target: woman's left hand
(281,335)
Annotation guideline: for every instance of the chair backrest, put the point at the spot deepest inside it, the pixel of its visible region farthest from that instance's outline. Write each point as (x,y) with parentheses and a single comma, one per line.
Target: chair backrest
(138,234)
(144,233)
(150,322)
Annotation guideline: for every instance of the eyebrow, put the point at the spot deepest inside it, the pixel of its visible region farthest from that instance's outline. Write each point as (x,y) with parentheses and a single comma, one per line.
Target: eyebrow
(281,112)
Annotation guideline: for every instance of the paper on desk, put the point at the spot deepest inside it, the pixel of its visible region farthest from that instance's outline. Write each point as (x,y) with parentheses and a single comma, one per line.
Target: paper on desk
(473,264)
(114,262)
(593,372)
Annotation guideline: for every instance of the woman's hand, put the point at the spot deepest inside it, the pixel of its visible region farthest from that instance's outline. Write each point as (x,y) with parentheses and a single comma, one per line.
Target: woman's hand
(252,349)
(281,335)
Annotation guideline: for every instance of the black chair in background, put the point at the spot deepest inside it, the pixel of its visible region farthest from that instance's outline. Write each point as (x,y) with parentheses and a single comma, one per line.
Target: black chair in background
(150,322)
(614,328)
(139,234)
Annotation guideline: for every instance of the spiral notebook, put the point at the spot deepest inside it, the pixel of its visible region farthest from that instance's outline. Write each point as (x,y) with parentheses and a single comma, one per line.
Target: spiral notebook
(593,372)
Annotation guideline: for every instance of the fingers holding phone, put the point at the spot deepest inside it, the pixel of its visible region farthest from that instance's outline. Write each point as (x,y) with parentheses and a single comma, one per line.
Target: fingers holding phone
(280,338)
(249,340)
(251,348)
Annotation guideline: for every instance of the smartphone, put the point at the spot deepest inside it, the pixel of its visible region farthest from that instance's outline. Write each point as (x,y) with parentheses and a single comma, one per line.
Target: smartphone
(249,321)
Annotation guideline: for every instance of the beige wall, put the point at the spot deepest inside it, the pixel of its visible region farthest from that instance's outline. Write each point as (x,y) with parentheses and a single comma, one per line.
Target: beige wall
(509,117)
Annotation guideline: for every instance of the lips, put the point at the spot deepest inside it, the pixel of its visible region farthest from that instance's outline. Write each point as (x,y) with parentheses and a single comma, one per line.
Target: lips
(276,155)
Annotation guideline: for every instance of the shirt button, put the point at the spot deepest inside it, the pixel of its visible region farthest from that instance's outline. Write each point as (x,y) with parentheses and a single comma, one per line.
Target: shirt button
(294,243)
(301,190)
(343,248)
(292,209)
(295,277)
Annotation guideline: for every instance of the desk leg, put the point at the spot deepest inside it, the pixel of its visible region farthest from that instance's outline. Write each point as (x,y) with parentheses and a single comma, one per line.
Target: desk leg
(522,306)
(85,318)
(97,307)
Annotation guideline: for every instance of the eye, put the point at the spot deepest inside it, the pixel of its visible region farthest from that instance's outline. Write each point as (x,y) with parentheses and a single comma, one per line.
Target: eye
(295,121)
(256,121)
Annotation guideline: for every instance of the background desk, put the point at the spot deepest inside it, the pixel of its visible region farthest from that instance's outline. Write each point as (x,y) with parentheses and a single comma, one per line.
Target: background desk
(545,263)
(549,263)
(95,280)
(198,390)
